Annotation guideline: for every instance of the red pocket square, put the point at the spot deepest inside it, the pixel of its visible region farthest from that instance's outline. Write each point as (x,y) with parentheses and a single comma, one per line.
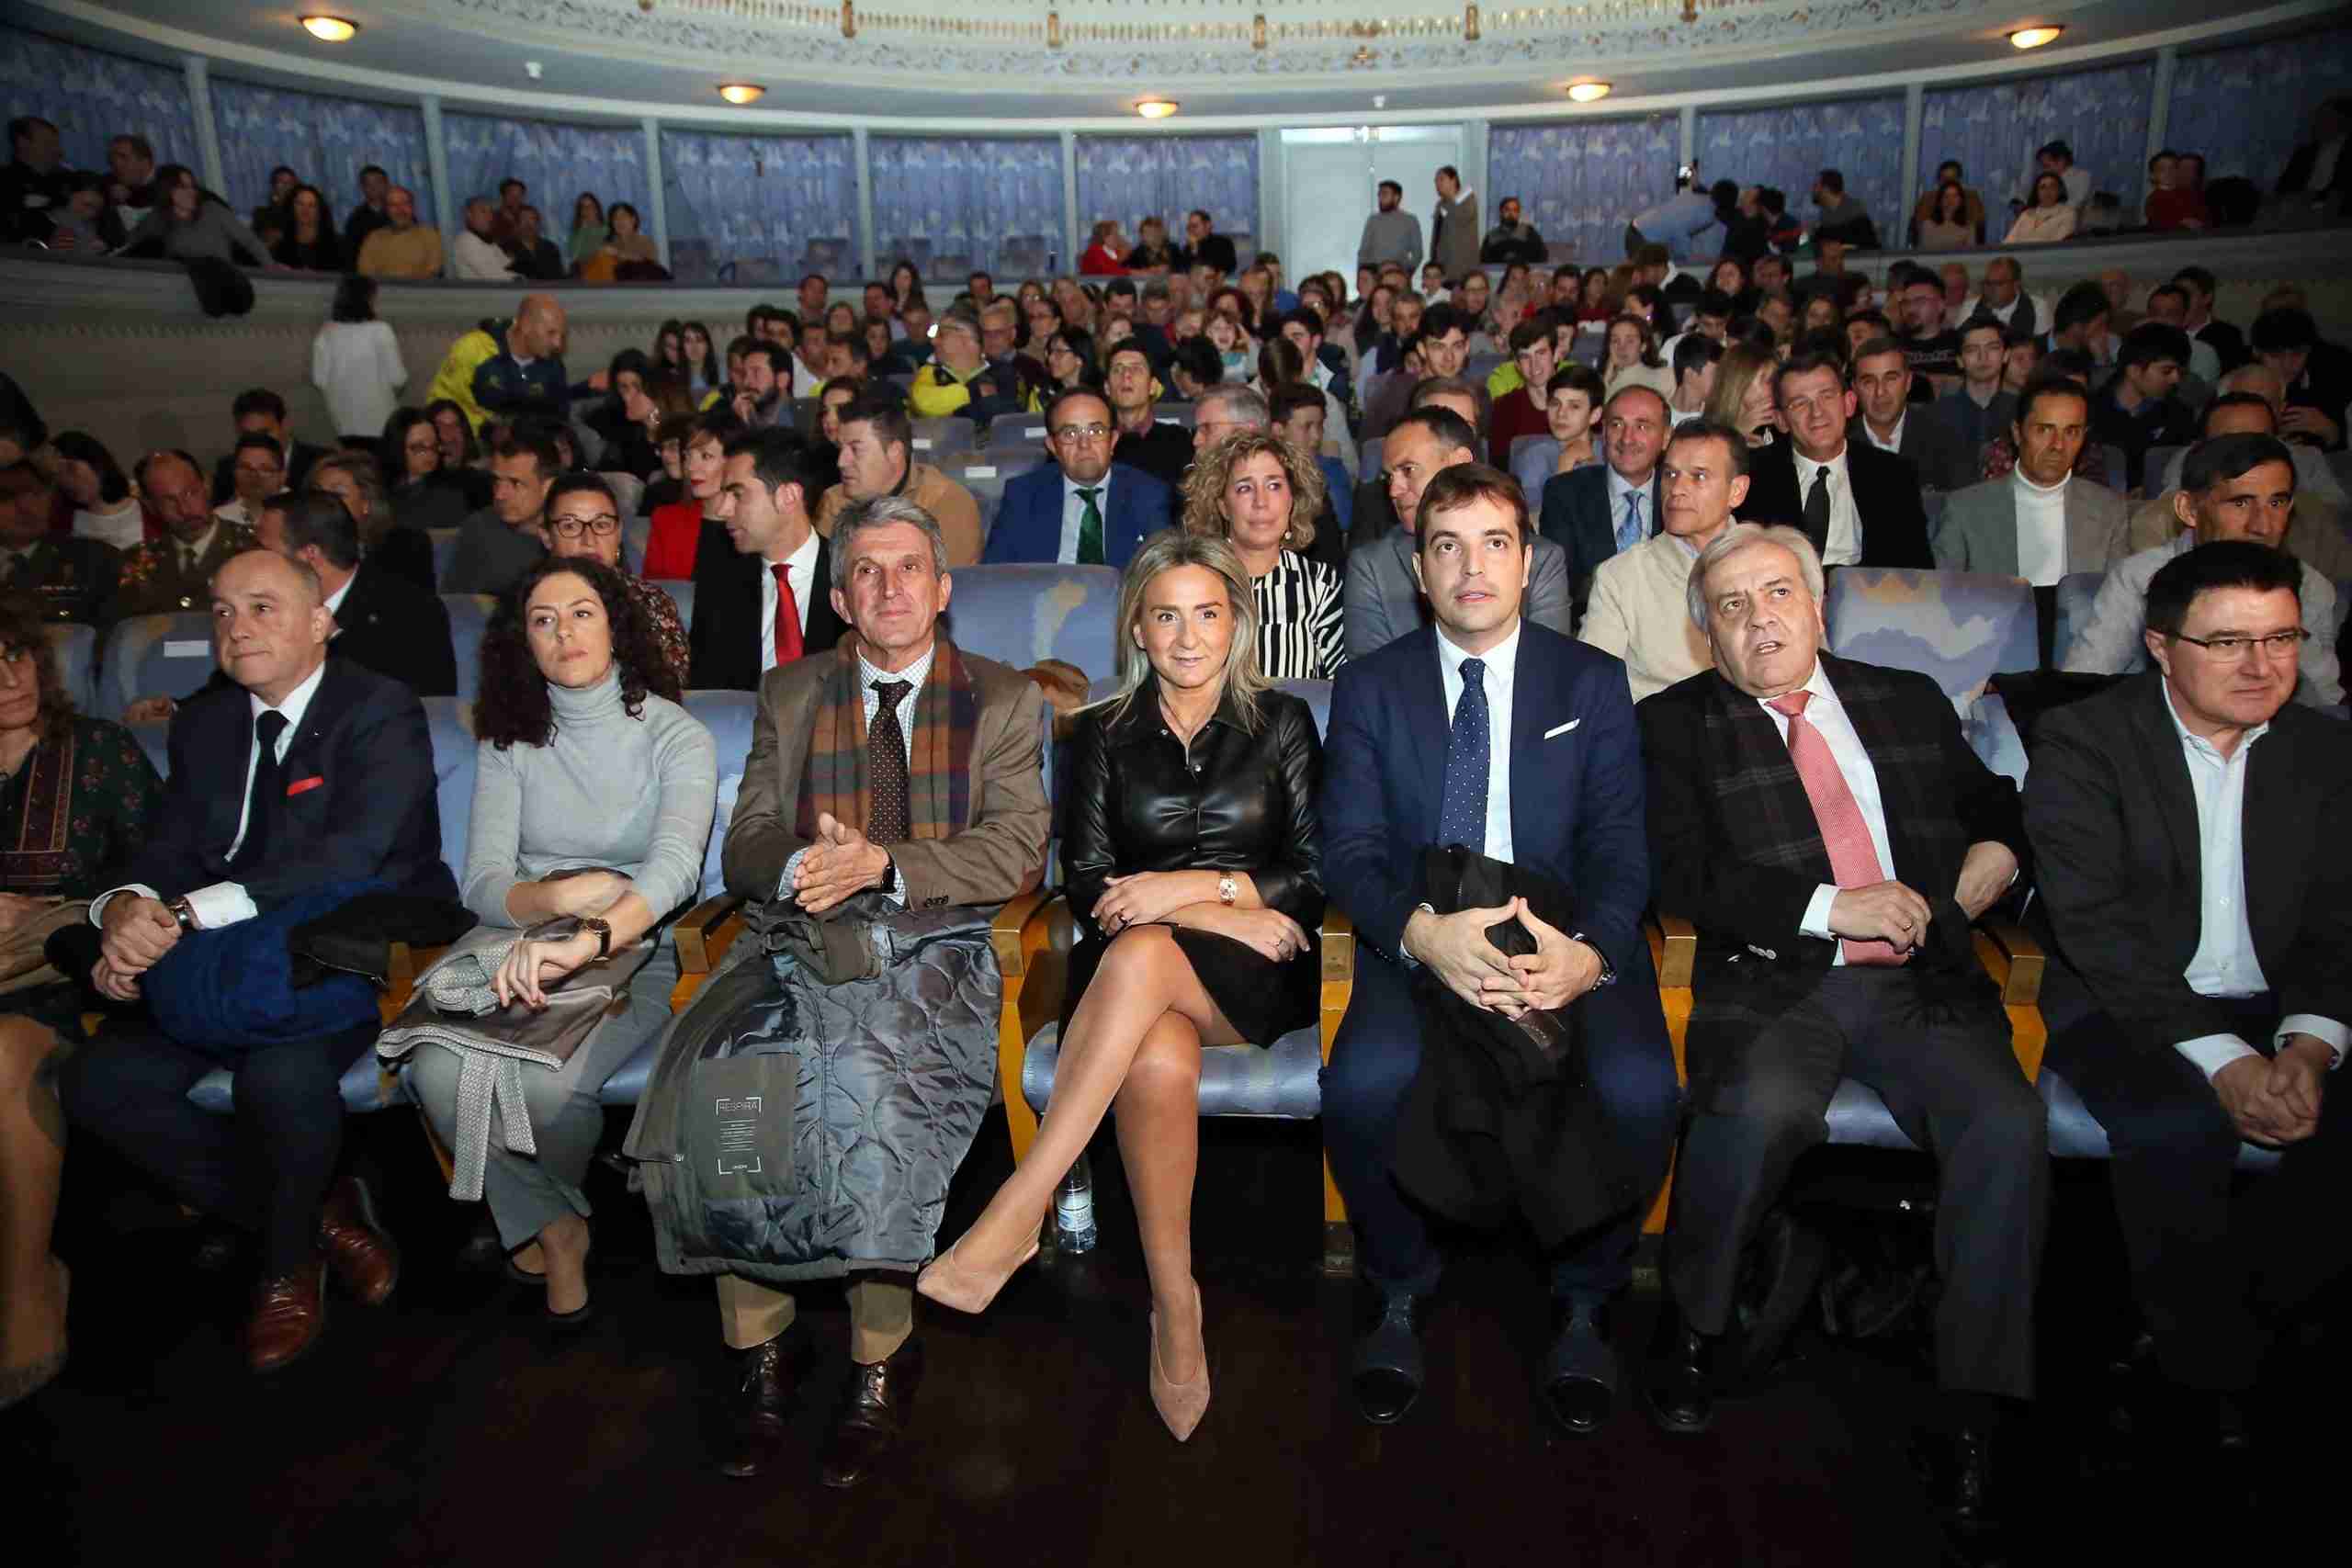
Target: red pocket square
(299,785)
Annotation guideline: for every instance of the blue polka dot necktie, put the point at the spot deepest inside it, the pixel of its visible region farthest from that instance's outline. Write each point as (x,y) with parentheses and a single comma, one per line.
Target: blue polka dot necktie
(1461,815)
(1629,527)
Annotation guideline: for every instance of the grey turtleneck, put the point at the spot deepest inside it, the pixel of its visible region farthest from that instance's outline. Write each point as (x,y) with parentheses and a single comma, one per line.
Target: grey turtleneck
(635,795)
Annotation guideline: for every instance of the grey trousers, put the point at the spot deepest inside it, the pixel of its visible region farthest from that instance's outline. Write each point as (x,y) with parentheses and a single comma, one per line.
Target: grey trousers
(528,1193)
(1953,1084)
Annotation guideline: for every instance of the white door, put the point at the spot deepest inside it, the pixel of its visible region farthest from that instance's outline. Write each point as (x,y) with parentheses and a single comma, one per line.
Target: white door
(1331,178)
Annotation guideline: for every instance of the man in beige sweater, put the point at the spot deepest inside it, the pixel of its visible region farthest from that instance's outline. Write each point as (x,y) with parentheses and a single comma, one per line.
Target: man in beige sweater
(403,247)
(877,447)
(1641,609)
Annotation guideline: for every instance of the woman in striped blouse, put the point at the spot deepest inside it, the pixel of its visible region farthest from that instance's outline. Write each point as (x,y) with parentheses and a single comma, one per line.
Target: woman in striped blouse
(1263,494)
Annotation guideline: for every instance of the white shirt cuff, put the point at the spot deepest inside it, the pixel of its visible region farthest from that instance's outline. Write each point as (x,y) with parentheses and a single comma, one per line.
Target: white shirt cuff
(2325,1029)
(98,904)
(2211,1053)
(221,904)
(1817,913)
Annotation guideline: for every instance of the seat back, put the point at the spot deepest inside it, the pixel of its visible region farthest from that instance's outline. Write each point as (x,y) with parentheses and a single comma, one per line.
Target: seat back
(444,550)
(1931,501)
(1521,443)
(1018,615)
(73,648)
(2152,468)
(2111,462)
(1017,433)
(637,535)
(1961,628)
(627,490)
(1317,694)
(2075,592)
(1370,458)
(1478,366)
(450,721)
(468,618)
(1180,414)
(728,716)
(681,591)
(935,438)
(156,656)
(986,474)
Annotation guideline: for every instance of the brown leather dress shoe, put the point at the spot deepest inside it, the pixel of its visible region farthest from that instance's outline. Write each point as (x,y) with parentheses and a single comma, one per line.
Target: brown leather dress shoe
(290,1314)
(772,1373)
(881,1400)
(364,1259)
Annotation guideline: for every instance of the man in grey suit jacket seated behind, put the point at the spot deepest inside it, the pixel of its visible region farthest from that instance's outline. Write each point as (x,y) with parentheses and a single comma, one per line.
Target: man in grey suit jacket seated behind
(2039,523)
(2232,487)
(1383,596)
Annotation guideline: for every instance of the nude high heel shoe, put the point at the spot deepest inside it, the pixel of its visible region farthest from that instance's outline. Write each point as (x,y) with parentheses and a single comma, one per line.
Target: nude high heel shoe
(1181,1405)
(951,1282)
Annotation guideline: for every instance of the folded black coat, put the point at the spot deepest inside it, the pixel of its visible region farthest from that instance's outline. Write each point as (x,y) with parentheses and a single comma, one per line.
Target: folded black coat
(1502,1115)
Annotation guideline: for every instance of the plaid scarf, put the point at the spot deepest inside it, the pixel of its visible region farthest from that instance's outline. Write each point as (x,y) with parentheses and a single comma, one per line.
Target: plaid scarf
(939,748)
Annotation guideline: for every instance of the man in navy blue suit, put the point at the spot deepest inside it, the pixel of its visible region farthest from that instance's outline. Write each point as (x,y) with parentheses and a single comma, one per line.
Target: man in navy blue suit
(1484,730)
(1602,509)
(1088,512)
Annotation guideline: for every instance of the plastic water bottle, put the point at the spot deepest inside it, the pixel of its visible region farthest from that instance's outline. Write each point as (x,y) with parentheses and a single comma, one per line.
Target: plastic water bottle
(1074,1208)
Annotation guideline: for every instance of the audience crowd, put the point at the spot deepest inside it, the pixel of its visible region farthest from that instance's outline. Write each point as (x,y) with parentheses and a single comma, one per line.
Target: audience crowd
(1490,498)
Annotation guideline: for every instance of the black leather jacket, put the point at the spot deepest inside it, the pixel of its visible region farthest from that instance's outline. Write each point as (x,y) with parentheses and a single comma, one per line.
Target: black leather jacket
(1236,802)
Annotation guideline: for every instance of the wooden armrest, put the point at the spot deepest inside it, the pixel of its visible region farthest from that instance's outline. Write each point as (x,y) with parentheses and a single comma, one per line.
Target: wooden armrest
(2014,960)
(704,932)
(1674,946)
(1338,944)
(406,963)
(1009,929)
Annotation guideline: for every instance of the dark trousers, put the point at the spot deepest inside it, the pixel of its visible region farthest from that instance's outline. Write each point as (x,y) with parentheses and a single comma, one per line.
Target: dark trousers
(1374,1059)
(2202,1262)
(265,1168)
(1953,1084)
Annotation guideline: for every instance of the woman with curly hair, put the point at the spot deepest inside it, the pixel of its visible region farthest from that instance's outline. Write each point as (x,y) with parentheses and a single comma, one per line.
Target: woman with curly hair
(593,791)
(1263,494)
(76,795)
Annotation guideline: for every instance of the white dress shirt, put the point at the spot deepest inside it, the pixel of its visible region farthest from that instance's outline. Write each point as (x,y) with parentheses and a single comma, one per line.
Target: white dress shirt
(2224,963)
(914,675)
(1619,489)
(233,512)
(336,599)
(1074,516)
(1502,664)
(1890,442)
(1827,716)
(2042,529)
(225,903)
(800,570)
(1843,546)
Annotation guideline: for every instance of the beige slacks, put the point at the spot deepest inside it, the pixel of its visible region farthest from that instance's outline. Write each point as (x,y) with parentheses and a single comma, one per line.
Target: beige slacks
(881,1313)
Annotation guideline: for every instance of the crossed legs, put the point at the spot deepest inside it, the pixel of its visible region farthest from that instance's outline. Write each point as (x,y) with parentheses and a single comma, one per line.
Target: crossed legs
(32,1151)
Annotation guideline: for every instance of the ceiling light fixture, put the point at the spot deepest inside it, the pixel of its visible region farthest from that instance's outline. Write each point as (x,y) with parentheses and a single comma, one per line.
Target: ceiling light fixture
(1587,92)
(1156,108)
(741,93)
(330,29)
(2034,38)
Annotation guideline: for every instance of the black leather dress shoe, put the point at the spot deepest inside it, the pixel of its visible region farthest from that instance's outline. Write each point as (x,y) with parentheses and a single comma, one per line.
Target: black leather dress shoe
(881,1401)
(1578,1385)
(772,1373)
(1387,1374)
(1684,1373)
(1964,1484)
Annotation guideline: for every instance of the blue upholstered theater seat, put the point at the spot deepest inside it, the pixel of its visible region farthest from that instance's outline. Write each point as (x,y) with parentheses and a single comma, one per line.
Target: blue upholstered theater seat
(1018,615)
(468,618)
(1858,1118)
(444,550)
(935,438)
(2075,592)
(681,591)
(156,656)
(1179,415)
(1962,628)
(986,474)
(75,648)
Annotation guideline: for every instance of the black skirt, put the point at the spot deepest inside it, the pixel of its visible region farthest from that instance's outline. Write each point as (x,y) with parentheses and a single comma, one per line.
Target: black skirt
(1261,998)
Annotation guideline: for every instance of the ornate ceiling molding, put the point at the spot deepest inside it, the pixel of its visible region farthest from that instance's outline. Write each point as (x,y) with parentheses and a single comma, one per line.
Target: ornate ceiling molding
(1173,44)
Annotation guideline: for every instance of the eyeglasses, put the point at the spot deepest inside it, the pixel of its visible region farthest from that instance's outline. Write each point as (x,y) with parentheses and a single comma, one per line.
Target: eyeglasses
(573,527)
(2276,645)
(1082,432)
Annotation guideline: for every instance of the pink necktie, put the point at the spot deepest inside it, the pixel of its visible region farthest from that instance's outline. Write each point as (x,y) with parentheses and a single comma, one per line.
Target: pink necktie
(1853,858)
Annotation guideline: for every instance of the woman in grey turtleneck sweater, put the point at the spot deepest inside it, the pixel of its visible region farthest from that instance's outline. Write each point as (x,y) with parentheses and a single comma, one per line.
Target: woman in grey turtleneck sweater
(585,760)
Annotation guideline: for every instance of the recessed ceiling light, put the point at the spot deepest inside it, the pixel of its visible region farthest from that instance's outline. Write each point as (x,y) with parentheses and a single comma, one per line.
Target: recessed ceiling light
(2034,38)
(1587,92)
(741,93)
(1156,108)
(330,29)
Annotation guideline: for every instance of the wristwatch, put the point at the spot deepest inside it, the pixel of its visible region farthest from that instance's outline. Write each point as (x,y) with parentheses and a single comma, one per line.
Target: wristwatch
(183,912)
(603,930)
(889,883)
(1608,970)
(1228,890)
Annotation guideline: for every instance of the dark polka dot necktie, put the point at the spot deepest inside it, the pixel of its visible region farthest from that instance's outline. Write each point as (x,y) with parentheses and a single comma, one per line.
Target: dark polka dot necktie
(885,748)
(1462,814)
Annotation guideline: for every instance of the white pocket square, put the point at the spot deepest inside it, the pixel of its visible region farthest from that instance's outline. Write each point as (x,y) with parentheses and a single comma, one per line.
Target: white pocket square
(1561,728)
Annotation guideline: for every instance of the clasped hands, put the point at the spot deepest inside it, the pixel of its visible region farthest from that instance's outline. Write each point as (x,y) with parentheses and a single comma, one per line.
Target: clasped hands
(2277,1101)
(1188,898)
(1455,948)
(1892,913)
(135,933)
(842,862)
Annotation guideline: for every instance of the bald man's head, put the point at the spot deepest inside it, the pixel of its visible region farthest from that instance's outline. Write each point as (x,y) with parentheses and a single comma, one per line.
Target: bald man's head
(538,329)
(270,624)
(2261,380)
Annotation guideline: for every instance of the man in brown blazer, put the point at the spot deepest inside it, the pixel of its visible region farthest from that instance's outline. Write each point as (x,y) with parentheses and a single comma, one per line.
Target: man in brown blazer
(936,834)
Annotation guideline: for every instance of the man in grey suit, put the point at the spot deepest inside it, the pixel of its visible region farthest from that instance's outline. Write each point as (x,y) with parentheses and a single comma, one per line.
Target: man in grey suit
(1453,227)
(1384,599)
(2041,522)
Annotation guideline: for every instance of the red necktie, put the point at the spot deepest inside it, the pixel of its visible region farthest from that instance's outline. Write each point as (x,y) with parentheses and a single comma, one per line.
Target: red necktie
(787,618)
(1853,858)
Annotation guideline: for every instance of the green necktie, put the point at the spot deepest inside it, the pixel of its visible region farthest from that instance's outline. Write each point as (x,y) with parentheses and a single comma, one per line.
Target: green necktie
(1090,529)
